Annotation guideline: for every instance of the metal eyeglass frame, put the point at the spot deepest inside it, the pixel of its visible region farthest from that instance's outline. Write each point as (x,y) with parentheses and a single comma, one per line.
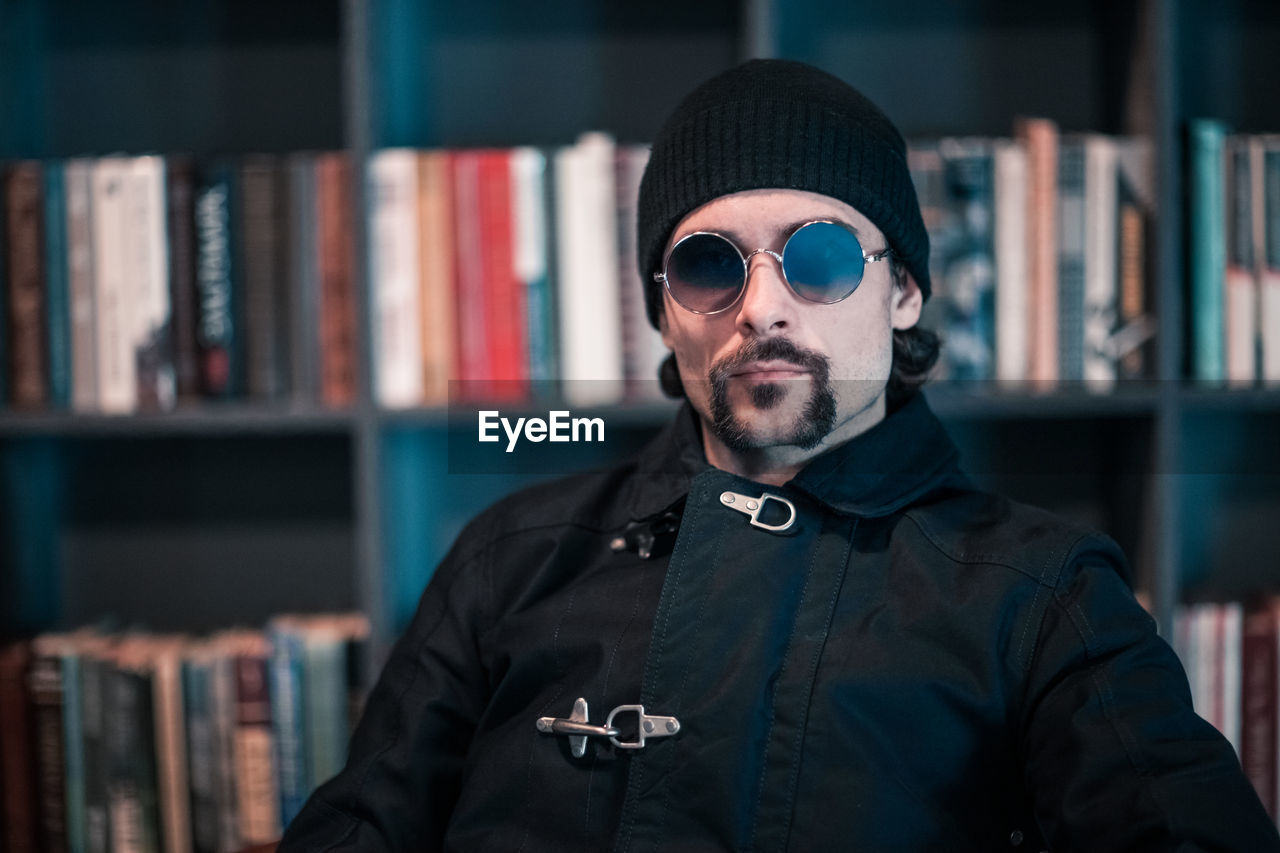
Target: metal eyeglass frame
(661,277)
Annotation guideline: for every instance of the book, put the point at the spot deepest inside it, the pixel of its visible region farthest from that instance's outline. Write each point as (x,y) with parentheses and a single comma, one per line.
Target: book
(27,323)
(1135,199)
(302,254)
(1101,295)
(438,328)
(1040,137)
(46,685)
(94,666)
(1207,140)
(531,261)
(131,758)
(587,268)
(1239,290)
(180,187)
(147,285)
(219,338)
(112,311)
(965,276)
(285,681)
(505,315)
(333,192)
(1268,258)
(199,663)
(395,277)
(266,328)
(472,353)
(57,292)
(19,821)
(78,184)
(164,659)
(1010,166)
(257,794)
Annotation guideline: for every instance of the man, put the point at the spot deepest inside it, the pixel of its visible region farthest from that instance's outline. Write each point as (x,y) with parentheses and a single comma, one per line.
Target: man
(792,623)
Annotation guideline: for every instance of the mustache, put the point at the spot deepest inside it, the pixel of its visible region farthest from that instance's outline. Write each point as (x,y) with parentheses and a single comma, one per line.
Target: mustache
(770,349)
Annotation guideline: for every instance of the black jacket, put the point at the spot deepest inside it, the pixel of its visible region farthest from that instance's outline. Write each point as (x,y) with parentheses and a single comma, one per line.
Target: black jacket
(913,665)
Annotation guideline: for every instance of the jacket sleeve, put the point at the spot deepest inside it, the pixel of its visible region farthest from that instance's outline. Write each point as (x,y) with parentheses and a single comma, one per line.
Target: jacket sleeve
(404,767)
(1115,757)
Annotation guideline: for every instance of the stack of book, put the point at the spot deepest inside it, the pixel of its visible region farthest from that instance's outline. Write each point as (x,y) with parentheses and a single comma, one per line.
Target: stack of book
(1230,652)
(1039,256)
(1234,232)
(134,283)
(144,742)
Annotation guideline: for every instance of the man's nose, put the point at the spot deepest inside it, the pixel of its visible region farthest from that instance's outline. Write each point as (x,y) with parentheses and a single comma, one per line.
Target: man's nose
(768,305)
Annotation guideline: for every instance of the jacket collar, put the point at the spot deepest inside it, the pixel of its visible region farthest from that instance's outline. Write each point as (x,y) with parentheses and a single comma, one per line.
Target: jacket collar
(876,473)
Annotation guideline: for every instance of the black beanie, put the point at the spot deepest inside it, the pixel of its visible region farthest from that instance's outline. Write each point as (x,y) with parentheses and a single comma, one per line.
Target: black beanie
(778,124)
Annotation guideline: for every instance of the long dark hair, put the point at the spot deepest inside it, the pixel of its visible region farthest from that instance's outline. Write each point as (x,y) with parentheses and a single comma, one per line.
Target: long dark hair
(915,352)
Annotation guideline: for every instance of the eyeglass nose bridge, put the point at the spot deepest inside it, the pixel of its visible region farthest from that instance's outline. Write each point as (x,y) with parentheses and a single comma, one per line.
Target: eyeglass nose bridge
(777,256)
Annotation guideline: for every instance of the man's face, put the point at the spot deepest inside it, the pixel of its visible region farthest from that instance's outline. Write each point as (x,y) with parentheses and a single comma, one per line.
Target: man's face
(774,369)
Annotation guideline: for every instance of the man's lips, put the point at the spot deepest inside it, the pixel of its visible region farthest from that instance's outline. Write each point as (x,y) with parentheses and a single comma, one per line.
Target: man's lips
(769,370)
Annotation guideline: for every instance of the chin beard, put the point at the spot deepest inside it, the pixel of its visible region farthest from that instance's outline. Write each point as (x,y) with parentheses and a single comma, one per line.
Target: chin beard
(812,424)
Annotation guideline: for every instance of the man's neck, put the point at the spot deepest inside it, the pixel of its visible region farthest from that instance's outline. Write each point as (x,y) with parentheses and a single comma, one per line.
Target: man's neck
(778,464)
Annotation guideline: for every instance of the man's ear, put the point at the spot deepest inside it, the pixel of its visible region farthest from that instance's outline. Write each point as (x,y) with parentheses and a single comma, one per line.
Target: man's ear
(663,328)
(906,303)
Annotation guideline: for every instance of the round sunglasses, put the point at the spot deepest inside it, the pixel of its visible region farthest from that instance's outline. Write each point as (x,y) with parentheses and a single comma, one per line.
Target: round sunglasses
(706,273)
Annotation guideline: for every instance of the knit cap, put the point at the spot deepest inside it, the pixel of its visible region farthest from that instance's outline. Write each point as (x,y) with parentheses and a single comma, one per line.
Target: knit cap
(778,124)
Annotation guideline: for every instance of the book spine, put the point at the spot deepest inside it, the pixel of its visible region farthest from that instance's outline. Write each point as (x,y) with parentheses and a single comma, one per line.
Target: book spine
(1135,325)
(1258,704)
(286,685)
(1041,139)
(395,277)
(590,319)
(260,253)
(1208,250)
(116,380)
(1269,275)
(218,331)
(256,788)
(151,349)
(202,757)
(337,291)
(326,705)
(57,296)
(967,272)
(472,356)
(1239,309)
(97,832)
(80,282)
(180,180)
(439,313)
(28,364)
(131,789)
(171,749)
(304,279)
(528,175)
(505,313)
(1072,230)
(1011,261)
(1101,288)
(19,821)
(73,748)
(46,700)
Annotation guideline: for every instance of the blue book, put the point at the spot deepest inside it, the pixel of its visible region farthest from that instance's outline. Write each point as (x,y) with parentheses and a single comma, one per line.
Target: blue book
(219,330)
(57,299)
(73,734)
(1208,249)
(285,679)
(1072,228)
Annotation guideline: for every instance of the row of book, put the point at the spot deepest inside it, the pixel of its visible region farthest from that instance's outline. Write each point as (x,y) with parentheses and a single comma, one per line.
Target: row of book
(1039,255)
(142,743)
(1234,235)
(1231,652)
(133,283)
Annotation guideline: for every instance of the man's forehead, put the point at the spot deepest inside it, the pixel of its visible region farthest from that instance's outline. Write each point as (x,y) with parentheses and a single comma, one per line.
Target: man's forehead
(769,214)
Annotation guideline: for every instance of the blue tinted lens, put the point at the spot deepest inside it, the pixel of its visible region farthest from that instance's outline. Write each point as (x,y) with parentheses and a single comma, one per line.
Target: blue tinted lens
(705,273)
(823,262)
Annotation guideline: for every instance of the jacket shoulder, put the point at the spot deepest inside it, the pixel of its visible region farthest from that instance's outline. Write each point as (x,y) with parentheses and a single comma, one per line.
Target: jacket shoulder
(972,526)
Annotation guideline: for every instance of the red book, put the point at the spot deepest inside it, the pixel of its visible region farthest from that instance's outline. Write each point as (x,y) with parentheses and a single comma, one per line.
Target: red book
(337,283)
(504,301)
(472,354)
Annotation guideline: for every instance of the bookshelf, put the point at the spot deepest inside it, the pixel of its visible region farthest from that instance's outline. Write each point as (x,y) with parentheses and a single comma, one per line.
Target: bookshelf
(240,510)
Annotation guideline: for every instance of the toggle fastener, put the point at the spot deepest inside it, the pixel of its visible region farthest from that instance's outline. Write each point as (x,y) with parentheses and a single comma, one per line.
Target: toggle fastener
(752,507)
(578,729)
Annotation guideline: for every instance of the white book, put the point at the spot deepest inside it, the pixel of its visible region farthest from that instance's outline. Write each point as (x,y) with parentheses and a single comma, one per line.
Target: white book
(587,249)
(116,374)
(395,277)
(1240,291)
(1101,279)
(80,285)
(529,251)
(148,282)
(643,351)
(1012,308)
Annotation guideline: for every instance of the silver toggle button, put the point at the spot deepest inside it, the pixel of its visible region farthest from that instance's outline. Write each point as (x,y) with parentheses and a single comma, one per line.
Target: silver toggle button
(650,726)
(753,507)
(576,727)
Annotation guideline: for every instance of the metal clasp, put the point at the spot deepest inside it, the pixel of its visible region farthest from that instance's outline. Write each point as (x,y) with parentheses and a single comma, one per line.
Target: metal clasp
(651,725)
(752,507)
(578,729)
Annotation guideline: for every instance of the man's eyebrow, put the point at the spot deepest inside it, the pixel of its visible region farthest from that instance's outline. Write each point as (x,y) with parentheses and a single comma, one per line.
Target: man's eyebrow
(782,232)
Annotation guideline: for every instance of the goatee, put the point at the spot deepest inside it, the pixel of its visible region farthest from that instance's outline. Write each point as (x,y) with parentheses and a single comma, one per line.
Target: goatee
(812,424)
